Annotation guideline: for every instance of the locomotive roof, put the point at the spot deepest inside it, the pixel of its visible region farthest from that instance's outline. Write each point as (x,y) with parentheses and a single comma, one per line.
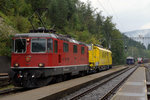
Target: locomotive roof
(104,49)
(35,35)
(130,57)
(58,36)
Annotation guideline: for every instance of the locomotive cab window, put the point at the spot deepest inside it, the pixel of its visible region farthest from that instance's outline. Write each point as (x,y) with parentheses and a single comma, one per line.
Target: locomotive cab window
(75,49)
(82,50)
(49,45)
(65,47)
(38,45)
(55,46)
(20,46)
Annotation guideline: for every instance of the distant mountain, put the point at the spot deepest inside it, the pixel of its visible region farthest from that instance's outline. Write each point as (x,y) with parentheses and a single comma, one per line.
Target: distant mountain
(142,36)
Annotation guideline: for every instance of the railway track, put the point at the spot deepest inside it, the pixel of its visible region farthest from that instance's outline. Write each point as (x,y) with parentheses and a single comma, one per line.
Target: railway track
(148,80)
(148,90)
(11,90)
(60,92)
(4,80)
(112,91)
(6,87)
(102,82)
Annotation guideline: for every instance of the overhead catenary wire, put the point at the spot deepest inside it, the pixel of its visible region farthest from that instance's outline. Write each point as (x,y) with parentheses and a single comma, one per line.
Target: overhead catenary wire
(116,15)
(112,10)
(103,7)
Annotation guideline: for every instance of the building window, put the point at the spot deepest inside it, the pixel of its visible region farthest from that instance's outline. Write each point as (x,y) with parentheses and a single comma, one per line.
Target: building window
(75,49)
(82,50)
(65,47)
(49,45)
(55,46)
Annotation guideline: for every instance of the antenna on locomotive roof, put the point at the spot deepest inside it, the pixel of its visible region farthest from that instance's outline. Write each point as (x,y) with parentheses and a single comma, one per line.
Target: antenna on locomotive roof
(52,30)
(37,11)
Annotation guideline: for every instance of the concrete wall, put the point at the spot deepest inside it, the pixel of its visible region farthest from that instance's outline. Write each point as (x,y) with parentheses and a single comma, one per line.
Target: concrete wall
(4,64)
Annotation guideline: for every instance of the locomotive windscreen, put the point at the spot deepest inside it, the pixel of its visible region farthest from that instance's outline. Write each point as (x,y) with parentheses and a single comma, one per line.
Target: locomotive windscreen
(20,46)
(38,45)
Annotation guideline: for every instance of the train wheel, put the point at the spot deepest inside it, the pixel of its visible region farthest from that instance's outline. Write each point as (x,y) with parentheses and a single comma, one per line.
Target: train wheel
(43,81)
(59,78)
(39,82)
(83,73)
(98,69)
(65,77)
(16,81)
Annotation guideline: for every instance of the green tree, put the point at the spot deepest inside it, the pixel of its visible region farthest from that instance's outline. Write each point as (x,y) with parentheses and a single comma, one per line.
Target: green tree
(148,47)
(117,47)
(108,28)
(71,17)
(58,13)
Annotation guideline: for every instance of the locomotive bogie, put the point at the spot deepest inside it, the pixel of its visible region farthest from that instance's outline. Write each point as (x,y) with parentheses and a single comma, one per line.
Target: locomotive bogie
(29,77)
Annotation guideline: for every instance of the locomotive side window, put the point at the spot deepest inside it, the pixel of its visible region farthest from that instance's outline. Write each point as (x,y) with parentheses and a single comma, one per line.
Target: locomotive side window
(75,50)
(38,45)
(82,50)
(65,47)
(50,45)
(20,45)
(55,46)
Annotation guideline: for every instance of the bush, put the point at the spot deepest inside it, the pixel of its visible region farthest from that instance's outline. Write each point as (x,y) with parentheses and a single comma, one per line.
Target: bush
(21,23)
(5,44)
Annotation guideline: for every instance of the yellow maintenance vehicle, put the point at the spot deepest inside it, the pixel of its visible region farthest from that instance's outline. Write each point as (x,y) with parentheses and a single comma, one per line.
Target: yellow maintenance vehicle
(99,58)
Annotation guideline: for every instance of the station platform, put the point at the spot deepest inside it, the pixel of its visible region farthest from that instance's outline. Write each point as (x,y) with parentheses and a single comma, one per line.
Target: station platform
(134,88)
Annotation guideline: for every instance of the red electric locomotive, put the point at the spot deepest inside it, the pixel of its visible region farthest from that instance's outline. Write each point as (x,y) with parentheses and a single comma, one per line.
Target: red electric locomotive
(140,60)
(39,58)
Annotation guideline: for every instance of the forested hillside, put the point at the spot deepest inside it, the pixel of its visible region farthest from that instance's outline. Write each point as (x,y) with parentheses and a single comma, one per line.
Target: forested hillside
(72,17)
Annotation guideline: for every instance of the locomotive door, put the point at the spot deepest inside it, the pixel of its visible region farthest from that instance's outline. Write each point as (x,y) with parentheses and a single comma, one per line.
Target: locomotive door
(75,51)
(57,52)
(55,57)
(50,51)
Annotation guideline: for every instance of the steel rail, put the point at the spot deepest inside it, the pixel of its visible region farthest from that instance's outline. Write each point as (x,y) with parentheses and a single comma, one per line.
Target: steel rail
(114,75)
(10,90)
(4,80)
(112,91)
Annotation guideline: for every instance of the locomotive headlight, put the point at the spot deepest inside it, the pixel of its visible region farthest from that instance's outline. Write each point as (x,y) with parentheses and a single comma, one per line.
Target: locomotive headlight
(41,65)
(16,65)
(28,40)
(33,76)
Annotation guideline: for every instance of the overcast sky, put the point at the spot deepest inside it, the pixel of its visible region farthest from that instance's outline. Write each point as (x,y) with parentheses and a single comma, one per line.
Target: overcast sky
(129,15)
